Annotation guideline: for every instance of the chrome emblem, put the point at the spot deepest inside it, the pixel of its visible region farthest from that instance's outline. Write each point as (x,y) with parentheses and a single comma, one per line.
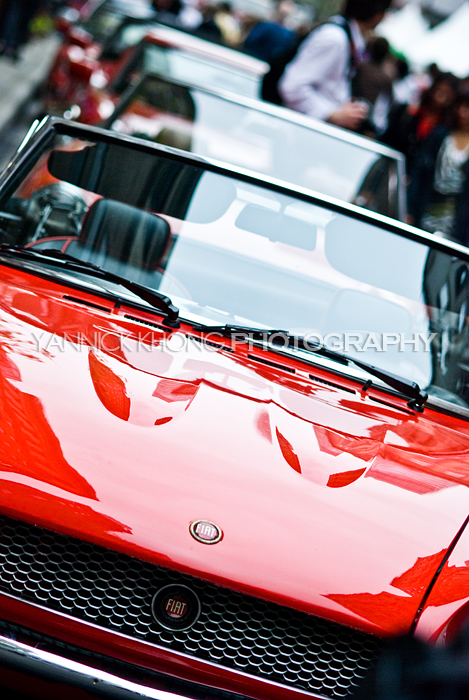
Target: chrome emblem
(175,607)
(205,531)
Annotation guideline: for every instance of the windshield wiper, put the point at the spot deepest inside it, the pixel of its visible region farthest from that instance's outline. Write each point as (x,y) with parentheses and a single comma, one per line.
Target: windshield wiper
(411,390)
(155,299)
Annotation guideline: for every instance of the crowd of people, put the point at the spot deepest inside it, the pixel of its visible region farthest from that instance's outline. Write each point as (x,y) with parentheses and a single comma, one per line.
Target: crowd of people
(338,71)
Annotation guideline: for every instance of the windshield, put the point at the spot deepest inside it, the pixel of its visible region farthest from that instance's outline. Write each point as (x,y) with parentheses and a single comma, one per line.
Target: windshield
(209,125)
(102,23)
(129,33)
(230,252)
(186,66)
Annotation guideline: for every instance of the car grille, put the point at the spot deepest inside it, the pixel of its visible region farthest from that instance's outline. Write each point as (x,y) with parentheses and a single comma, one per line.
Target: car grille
(114,591)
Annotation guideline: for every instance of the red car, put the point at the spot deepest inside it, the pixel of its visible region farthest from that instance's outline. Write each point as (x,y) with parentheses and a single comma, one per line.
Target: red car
(111,49)
(235,428)
(168,53)
(104,30)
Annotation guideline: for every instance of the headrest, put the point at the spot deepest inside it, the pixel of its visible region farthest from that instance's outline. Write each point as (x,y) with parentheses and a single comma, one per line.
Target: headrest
(117,232)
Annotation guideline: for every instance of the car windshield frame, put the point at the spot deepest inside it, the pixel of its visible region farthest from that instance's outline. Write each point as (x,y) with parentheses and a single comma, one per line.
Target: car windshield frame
(122,82)
(45,135)
(121,12)
(299,124)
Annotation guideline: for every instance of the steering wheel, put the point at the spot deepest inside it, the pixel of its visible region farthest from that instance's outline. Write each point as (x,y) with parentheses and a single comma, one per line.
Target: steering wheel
(55,210)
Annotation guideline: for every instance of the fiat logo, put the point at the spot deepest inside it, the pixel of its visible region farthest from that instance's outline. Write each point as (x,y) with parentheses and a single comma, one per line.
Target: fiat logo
(205,531)
(175,607)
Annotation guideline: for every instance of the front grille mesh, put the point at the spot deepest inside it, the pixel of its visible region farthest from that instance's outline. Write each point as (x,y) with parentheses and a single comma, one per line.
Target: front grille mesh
(237,631)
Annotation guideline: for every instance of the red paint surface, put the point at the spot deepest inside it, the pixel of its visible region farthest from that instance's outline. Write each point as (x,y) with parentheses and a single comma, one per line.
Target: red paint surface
(347,506)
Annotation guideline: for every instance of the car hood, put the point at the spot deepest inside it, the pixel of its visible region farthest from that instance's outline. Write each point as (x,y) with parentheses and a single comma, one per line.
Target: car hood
(329,502)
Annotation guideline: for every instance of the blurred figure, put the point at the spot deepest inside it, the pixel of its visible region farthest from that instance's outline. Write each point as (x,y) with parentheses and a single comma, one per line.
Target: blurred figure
(208,28)
(408,87)
(190,15)
(168,10)
(373,83)
(268,39)
(439,187)
(15,18)
(464,84)
(410,125)
(227,24)
(317,81)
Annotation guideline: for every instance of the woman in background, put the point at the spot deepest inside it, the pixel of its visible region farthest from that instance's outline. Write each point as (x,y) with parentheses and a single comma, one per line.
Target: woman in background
(439,186)
(410,125)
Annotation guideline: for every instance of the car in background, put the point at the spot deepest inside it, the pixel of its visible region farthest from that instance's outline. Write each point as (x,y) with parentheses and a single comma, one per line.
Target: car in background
(235,427)
(168,53)
(92,45)
(267,139)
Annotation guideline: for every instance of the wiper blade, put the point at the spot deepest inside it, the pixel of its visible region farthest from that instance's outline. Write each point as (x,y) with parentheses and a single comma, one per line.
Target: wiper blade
(411,390)
(69,262)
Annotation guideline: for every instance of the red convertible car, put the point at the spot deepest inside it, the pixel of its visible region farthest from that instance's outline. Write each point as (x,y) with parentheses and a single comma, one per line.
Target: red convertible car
(168,53)
(116,45)
(93,44)
(235,437)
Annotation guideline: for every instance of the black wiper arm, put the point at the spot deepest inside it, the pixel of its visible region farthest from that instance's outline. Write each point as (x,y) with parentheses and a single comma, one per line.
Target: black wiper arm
(411,390)
(155,299)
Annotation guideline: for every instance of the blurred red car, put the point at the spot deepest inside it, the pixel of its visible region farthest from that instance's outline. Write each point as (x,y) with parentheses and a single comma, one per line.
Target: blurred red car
(168,53)
(96,41)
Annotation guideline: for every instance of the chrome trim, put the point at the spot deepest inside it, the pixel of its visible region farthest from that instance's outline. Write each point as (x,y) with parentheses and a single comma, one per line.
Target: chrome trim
(166,650)
(191,42)
(297,118)
(29,660)
(29,133)
(291,115)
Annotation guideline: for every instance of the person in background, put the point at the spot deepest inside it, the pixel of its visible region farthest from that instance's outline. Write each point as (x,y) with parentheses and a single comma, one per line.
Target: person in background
(439,188)
(208,28)
(15,19)
(317,81)
(190,15)
(410,125)
(374,84)
(268,39)
(405,87)
(168,10)
(227,23)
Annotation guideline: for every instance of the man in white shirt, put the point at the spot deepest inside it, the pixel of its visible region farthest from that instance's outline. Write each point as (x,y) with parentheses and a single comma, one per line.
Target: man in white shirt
(317,81)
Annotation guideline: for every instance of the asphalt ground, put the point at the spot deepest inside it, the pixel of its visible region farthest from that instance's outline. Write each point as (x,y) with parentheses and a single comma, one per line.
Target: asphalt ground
(20,82)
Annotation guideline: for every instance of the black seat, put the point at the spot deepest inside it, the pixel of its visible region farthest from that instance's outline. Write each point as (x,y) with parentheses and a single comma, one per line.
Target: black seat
(122,239)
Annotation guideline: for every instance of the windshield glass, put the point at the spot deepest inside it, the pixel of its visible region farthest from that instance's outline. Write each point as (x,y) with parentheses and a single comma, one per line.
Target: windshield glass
(186,66)
(127,34)
(212,126)
(102,23)
(227,251)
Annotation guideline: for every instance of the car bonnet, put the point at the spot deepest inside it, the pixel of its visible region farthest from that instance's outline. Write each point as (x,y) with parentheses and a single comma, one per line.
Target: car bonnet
(120,433)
